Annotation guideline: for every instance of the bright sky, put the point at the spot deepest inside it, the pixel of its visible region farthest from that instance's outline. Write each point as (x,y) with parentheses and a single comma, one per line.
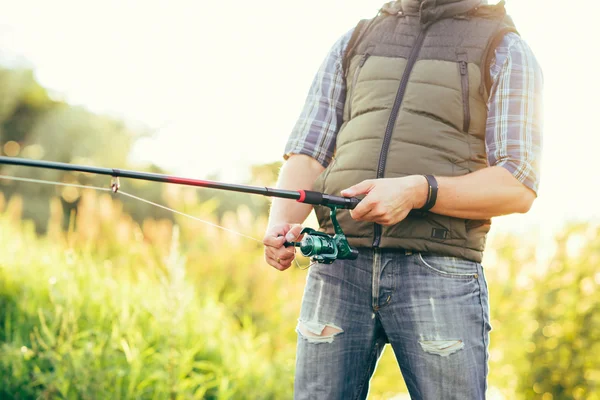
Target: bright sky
(223,82)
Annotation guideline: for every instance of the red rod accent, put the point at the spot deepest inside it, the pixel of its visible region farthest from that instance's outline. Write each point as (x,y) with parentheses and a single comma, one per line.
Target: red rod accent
(187,181)
(302,196)
(147,176)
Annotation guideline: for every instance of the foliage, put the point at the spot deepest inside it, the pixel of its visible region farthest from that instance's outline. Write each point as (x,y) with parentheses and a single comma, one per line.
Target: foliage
(544,300)
(111,311)
(119,299)
(34,125)
(116,309)
(566,342)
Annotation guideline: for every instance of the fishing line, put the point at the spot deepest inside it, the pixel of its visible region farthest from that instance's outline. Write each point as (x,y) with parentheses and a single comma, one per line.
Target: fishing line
(118,191)
(128,195)
(14,178)
(187,215)
(320,246)
(200,220)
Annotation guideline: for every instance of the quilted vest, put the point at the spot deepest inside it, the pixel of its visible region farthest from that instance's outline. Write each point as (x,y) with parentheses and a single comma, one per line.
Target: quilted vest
(417,81)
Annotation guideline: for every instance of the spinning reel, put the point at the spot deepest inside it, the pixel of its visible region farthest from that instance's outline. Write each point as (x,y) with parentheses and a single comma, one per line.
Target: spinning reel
(323,248)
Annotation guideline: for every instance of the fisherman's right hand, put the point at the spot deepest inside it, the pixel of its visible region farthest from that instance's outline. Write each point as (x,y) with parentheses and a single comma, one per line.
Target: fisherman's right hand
(276,254)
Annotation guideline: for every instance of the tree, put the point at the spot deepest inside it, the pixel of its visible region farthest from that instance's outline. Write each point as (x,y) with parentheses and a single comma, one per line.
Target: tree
(33,125)
(564,360)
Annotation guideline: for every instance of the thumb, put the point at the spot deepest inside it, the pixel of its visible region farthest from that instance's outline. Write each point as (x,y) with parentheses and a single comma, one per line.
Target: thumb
(360,188)
(293,233)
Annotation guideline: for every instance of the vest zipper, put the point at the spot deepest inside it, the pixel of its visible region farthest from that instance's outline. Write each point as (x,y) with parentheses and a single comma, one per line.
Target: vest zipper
(361,64)
(412,59)
(464,78)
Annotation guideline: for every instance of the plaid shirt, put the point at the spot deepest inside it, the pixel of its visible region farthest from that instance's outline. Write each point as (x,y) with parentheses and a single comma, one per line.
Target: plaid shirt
(514,125)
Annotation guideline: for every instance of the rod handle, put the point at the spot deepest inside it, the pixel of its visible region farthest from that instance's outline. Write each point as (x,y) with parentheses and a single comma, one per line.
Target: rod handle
(317,198)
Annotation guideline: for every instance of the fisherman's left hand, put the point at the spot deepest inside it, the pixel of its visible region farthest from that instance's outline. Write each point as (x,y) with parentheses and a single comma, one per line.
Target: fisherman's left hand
(388,200)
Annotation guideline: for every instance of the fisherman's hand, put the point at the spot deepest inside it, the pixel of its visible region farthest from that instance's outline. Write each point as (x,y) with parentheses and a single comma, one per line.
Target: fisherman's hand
(276,254)
(388,201)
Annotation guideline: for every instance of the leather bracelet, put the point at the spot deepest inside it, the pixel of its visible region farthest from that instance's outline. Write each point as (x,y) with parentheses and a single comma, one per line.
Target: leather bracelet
(431,193)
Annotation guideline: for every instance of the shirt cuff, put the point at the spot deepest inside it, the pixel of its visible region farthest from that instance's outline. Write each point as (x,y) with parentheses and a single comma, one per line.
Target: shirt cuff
(323,159)
(523,172)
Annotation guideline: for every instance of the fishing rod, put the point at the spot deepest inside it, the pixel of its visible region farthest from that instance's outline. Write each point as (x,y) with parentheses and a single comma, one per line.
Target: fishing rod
(319,246)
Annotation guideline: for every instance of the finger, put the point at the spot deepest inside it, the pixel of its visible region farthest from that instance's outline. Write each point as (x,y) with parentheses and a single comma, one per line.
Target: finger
(272,261)
(362,209)
(282,258)
(279,264)
(283,265)
(276,231)
(361,188)
(294,233)
(274,241)
(285,256)
(369,216)
(281,253)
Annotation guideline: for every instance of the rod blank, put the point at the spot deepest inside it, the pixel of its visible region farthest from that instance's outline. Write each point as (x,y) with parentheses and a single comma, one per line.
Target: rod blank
(313,198)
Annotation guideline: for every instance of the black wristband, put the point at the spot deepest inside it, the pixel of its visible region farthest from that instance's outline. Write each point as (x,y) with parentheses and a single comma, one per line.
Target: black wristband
(431,193)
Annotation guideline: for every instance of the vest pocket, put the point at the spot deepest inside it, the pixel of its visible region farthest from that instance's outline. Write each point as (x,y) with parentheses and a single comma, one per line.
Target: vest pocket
(464,83)
(359,67)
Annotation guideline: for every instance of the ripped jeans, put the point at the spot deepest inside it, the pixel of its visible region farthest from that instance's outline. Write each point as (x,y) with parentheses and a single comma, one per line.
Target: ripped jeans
(433,310)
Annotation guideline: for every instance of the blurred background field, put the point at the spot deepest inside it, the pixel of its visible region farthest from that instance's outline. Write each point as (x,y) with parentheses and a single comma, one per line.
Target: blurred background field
(113,308)
(106,297)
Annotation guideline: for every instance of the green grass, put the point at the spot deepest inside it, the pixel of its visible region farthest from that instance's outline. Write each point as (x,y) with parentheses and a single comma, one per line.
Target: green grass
(113,310)
(75,326)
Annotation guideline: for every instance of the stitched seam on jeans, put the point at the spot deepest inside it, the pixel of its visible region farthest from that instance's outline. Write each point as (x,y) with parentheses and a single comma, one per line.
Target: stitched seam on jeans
(366,377)
(485,346)
(376,279)
(442,273)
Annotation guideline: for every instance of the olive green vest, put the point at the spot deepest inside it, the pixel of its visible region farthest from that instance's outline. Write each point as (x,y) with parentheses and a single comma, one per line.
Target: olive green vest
(416,104)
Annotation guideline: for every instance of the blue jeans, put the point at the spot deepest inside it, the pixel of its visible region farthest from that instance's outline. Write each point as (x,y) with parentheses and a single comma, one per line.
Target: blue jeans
(433,310)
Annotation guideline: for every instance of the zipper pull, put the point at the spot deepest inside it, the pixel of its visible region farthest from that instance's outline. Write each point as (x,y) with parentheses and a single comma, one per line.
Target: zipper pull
(363,60)
(463,68)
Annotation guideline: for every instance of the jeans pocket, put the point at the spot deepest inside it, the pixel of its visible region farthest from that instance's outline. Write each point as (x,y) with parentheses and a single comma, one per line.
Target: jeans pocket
(451,267)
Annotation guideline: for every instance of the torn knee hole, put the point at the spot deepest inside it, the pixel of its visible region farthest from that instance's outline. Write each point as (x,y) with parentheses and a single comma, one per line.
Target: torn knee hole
(318,333)
(442,347)
(327,331)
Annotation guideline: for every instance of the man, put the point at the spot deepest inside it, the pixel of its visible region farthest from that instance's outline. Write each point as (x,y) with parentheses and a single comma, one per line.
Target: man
(431,113)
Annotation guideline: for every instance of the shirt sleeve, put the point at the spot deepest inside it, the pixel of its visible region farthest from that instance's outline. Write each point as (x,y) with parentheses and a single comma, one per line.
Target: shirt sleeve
(315,131)
(514,123)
